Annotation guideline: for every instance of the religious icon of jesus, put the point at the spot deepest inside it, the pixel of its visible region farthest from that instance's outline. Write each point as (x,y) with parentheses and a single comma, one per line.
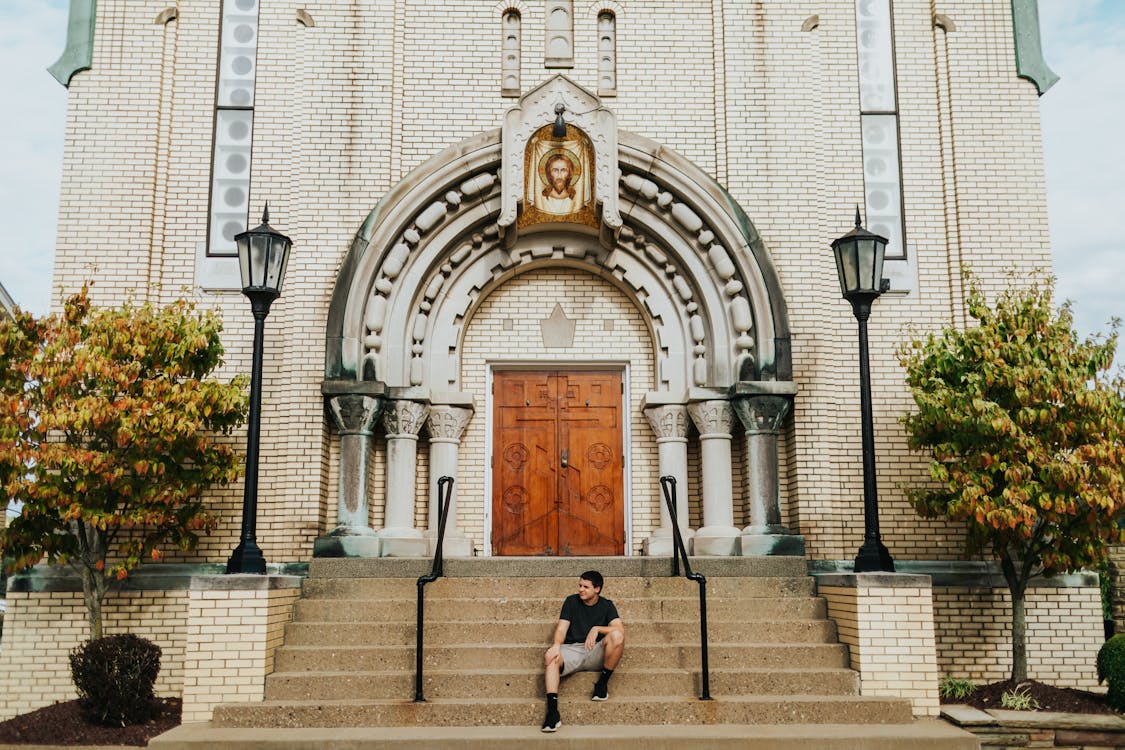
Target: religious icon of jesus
(559,196)
(559,179)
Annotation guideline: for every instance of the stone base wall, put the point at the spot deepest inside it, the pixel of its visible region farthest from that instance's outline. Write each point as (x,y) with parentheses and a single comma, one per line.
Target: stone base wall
(217,634)
(235,625)
(1064,632)
(887,622)
(40,630)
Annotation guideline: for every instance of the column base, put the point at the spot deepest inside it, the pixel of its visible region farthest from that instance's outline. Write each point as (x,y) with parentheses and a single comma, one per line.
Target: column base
(347,541)
(456,544)
(778,545)
(661,544)
(716,541)
(402,542)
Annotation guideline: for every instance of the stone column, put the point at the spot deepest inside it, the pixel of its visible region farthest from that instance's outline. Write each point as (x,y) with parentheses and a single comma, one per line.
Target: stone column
(670,423)
(718,536)
(445,425)
(354,415)
(402,420)
(762,408)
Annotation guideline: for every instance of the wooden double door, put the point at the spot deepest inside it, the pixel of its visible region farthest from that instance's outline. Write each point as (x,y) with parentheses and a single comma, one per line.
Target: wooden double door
(557,463)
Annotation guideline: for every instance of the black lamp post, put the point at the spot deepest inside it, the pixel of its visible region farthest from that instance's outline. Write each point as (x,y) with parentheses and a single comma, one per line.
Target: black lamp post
(262,256)
(859,263)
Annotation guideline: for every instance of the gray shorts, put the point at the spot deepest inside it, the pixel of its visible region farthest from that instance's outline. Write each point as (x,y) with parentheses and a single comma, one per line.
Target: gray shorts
(577,659)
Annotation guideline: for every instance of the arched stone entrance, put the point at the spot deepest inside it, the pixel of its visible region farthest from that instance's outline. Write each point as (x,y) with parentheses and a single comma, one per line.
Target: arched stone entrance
(689,258)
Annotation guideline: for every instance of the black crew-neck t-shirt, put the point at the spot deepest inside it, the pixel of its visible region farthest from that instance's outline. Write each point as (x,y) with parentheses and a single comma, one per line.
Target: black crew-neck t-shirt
(583,617)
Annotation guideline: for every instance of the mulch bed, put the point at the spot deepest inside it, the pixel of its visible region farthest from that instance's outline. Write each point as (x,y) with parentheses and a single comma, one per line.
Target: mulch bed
(61,724)
(1065,700)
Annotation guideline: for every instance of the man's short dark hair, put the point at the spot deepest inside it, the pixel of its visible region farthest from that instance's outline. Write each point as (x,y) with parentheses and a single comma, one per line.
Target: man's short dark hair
(593,577)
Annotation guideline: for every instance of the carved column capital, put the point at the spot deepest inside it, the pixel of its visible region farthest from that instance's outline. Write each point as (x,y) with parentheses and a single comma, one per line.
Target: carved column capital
(403,418)
(355,413)
(668,421)
(762,413)
(714,417)
(447,423)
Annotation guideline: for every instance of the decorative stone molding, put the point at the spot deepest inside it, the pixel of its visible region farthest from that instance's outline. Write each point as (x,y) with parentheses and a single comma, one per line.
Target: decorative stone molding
(712,418)
(674,256)
(668,421)
(447,423)
(354,413)
(537,108)
(404,418)
(1030,63)
(79,52)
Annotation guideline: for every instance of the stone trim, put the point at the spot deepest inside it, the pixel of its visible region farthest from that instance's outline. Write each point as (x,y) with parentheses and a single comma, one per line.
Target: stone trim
(153,577)
(959,573)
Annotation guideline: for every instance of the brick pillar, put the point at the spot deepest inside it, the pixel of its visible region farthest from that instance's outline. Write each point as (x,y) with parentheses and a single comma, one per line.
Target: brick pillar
(235,624)
(887,622)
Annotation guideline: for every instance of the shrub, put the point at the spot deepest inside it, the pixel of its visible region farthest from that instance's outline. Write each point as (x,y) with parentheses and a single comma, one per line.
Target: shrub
(1019,699)
(956,688)
(1111,669)
(114,676)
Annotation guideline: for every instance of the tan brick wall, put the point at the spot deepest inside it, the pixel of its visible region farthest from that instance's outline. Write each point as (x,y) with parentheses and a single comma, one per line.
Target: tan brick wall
(889,631)
(41,629)
(347,107)
(1064,633)
(231,639)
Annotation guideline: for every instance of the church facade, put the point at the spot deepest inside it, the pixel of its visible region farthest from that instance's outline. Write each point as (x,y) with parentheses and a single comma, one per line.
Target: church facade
(557,250)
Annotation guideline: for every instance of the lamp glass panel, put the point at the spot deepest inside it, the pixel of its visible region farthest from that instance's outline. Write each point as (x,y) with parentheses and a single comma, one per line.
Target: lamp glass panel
(851,265)
(259,252)
(278,251)
(244,260)
(865,252)
(880,252)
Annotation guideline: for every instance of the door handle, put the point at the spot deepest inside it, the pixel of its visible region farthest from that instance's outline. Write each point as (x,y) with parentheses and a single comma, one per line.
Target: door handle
(564,458)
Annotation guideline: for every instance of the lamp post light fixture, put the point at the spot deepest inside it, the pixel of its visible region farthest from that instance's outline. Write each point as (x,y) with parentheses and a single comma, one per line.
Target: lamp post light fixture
(859,264)
(263,254)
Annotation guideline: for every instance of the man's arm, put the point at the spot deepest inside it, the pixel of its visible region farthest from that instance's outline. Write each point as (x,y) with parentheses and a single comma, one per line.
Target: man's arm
(557,639)
(614,624)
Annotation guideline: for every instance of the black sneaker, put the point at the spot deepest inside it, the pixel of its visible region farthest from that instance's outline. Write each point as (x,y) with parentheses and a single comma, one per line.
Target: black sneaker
(552,722)
(601,691)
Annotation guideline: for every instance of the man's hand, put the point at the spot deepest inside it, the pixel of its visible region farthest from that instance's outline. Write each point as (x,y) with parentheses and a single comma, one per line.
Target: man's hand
(592,638)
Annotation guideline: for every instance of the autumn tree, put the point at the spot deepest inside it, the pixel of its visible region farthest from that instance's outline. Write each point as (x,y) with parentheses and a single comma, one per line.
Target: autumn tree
(1025,429)
(110,429)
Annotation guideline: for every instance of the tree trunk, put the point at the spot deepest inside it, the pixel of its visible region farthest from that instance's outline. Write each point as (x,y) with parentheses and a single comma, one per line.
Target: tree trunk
(1019,636)
(1017,587)
(93,591)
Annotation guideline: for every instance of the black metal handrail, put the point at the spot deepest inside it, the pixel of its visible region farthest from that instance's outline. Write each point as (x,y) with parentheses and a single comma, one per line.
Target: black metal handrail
(668,485)
(445,492)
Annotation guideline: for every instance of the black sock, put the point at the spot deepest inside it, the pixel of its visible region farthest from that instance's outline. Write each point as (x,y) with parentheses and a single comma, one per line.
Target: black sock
(606,674)
(552,700)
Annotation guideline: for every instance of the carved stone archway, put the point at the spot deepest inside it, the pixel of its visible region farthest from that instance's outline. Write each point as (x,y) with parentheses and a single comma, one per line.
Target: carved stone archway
(686,252)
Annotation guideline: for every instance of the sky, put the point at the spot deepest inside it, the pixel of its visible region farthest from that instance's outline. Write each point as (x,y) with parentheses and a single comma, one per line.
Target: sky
(1083,121)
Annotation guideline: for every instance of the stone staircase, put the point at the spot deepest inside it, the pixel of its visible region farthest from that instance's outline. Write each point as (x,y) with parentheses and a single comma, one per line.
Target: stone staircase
(346,669)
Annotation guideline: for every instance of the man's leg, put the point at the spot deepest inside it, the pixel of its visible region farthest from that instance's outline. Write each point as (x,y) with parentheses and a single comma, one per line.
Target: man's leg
(551,668)
(614,646)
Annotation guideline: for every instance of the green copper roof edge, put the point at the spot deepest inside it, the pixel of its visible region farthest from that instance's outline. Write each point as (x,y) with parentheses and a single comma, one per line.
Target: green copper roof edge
(1029,46)
(79,52)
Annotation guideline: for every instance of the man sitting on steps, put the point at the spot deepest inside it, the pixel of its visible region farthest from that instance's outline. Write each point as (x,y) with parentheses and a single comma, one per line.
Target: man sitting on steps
(589,637)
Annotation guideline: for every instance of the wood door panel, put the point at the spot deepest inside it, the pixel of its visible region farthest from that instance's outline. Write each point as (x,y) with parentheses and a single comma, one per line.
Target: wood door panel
(557,464)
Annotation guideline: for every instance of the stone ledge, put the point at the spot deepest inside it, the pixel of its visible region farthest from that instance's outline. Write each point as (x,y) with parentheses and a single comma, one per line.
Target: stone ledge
(959,573)
(245,582)
(1024,729)
(873,580)
(149,577)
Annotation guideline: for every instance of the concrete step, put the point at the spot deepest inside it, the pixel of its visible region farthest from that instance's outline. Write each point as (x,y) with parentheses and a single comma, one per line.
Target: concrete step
(505,609)
(480,711)
(728,655)
(916,735)
(522,683)
(554,588)
(554,567)
(642,633)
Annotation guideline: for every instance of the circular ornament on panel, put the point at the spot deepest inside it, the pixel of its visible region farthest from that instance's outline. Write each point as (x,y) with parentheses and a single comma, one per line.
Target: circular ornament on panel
(599,455)
(599,498)
(515,455)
